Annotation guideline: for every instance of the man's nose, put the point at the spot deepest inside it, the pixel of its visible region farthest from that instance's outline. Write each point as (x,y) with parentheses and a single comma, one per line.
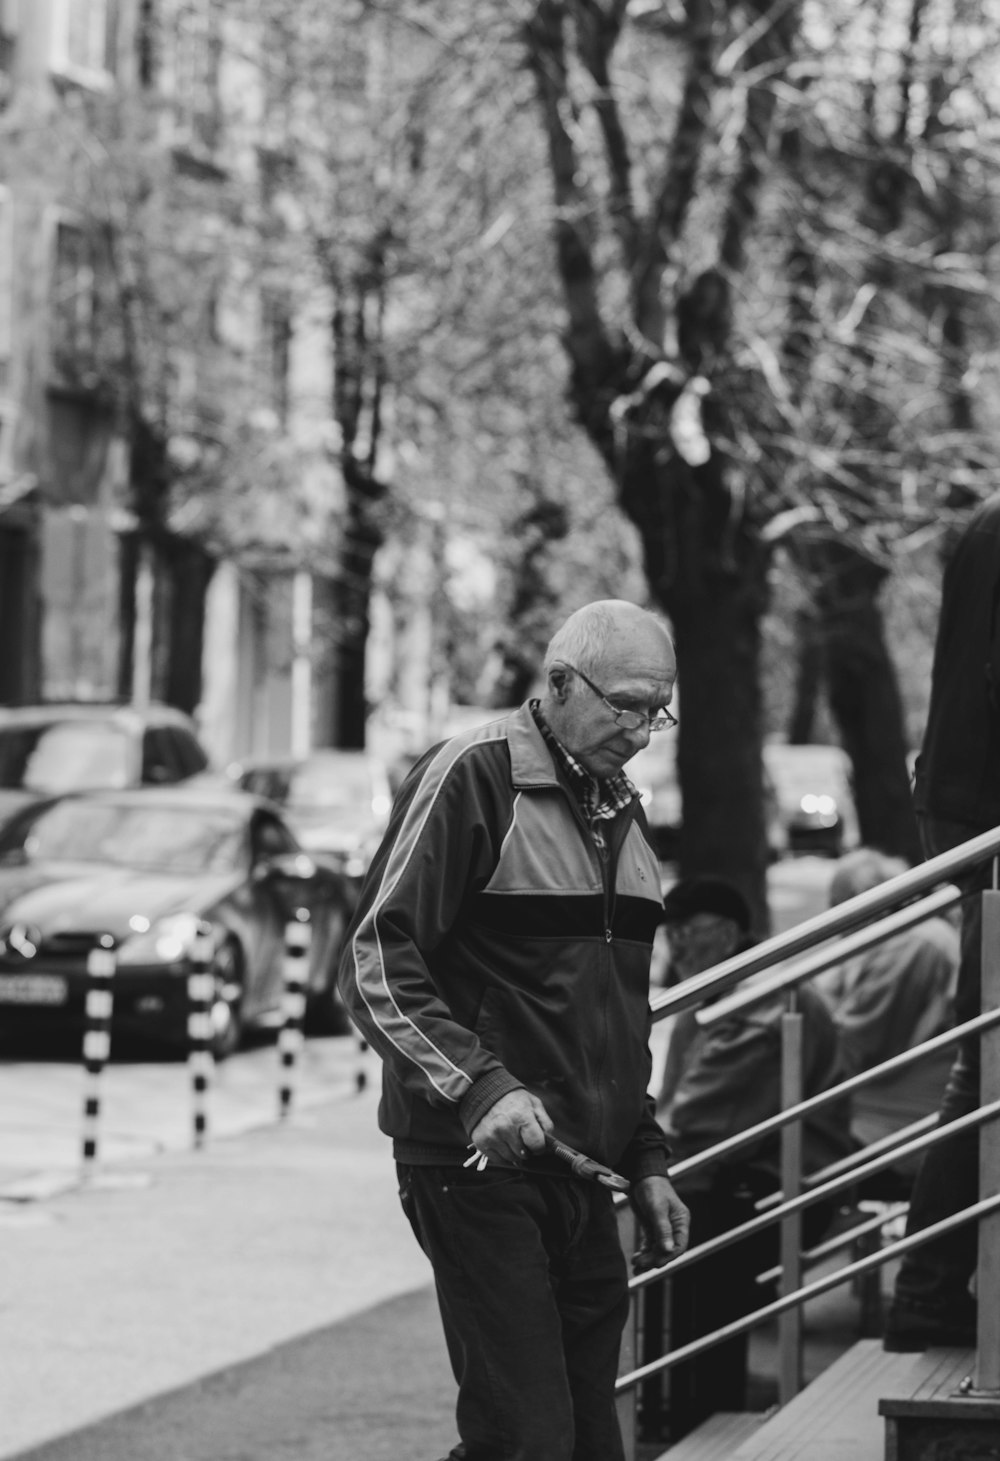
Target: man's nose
(640,736)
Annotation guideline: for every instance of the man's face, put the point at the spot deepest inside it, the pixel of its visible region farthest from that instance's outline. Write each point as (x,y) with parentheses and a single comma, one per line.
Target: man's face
(698,942)
(634,675)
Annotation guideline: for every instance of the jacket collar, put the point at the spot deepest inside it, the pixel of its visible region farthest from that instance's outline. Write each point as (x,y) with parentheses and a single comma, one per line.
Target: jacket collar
(530,758)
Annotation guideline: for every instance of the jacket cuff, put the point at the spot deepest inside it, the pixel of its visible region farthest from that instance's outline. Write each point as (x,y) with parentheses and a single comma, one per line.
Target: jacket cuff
(654,1162)
(483,1094)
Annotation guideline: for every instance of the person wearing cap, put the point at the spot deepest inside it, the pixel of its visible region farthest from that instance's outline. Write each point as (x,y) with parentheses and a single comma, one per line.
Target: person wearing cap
(498,962)
(721,1080)
(705,920)
(886,1000)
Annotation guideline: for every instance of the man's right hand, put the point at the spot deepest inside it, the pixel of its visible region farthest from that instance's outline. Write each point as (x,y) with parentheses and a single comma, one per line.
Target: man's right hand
(512,1129)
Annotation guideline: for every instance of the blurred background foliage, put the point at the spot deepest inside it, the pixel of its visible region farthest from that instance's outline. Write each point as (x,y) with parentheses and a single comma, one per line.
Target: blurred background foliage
(679,300)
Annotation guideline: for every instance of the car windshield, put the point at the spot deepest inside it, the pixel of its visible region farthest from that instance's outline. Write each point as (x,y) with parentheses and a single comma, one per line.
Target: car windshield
(63,755)
(800,769)
(161,839)
(342,784)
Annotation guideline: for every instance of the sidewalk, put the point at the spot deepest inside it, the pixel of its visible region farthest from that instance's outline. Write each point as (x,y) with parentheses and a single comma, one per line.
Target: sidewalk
(111,1295)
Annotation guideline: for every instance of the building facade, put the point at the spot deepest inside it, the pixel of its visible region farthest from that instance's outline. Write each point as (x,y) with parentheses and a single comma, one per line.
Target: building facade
(169,486)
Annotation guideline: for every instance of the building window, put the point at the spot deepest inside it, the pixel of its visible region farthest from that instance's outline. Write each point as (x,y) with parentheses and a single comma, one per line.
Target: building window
(74,303)
(85,39)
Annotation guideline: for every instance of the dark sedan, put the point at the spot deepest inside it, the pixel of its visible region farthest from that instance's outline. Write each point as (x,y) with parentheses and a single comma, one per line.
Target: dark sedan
(146,867)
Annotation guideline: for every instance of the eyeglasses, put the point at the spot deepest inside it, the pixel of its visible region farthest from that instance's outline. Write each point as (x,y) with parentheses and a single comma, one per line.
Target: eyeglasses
(629,719)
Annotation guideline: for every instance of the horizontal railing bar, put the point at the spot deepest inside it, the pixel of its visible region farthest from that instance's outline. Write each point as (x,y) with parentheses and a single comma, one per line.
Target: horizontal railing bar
(895,1142)
(810,1291)
(832,923)
(841,1240)
(816,1194)
(827,956)
(824,1098)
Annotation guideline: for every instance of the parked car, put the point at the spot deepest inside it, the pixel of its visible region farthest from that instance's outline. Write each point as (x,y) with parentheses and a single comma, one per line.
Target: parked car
(653,770)
(337,802)
(49,749)
(145,867)
(813,783)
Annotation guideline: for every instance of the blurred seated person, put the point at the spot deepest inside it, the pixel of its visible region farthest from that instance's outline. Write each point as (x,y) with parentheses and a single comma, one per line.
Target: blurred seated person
(891,998)
(718,1081)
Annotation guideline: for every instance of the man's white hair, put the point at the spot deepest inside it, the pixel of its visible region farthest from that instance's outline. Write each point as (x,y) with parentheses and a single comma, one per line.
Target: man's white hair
(583,639)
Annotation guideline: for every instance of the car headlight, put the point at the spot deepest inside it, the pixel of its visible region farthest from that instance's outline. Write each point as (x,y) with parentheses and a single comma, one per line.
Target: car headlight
(818,805)
(168,941)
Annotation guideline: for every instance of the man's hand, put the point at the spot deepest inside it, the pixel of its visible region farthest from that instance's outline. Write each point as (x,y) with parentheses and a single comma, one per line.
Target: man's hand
(665,1221)
(514,1128)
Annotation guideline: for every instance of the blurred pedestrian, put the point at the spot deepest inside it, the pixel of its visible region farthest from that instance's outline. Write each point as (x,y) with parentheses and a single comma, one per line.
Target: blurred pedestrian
(956,797)
(721,1080)
(499,965)
(885,1001)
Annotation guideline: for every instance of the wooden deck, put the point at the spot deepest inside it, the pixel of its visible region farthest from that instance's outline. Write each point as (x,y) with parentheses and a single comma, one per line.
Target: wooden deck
(939,1422)
(837,1417)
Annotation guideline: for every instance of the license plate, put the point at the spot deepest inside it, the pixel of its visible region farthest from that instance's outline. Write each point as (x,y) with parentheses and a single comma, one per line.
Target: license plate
(32,989)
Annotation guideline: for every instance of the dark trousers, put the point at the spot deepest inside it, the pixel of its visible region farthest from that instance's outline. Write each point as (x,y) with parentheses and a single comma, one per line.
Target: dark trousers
(533,1291)
(933,1281)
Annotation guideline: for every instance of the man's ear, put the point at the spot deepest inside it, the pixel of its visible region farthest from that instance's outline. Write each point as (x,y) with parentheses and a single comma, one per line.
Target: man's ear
(559,683)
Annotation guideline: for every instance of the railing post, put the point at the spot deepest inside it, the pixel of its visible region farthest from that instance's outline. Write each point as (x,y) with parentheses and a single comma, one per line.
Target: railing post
(987,1377)
(790,1322)
(298,935)
(628,1400)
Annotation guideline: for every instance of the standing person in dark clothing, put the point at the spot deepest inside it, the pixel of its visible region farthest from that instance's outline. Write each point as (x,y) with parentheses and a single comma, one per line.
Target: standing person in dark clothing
(498,963)
(956,796)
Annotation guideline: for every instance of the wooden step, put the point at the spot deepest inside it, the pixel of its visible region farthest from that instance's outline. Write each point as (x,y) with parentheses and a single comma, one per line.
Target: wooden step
(938,1420)
(837,1418)
(716,1438)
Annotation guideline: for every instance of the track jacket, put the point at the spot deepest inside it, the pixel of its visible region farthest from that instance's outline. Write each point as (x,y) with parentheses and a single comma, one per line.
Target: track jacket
(495,948)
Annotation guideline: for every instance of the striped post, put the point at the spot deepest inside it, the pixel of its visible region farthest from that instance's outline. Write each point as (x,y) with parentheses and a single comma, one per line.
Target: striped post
(98,1006)
(200,990)
(291,1037)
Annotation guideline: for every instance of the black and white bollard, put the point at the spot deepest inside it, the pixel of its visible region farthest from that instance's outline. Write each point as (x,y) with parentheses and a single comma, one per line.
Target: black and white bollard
(291,1037)
(201,1065)
(98,1008)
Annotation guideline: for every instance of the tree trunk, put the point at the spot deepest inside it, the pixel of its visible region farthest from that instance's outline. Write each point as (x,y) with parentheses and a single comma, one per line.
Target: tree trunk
(864,696)
(190,569)
(351,599)
(808,678)
(708,570)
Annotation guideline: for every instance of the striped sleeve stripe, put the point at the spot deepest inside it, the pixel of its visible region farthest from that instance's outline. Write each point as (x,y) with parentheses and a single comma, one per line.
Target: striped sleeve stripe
(370,974)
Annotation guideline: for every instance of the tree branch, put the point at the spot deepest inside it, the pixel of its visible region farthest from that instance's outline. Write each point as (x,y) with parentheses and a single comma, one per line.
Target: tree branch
(768,56)
(587,341)
(597,36)
(673,198)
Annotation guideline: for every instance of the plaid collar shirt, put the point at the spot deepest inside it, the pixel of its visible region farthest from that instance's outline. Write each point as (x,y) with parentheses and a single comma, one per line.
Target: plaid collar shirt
(599,800)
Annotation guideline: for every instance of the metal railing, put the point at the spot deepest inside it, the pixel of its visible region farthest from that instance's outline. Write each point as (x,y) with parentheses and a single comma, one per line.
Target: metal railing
(794,956)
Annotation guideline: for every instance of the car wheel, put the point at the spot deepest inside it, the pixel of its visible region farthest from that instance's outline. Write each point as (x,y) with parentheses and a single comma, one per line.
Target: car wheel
(325,1013)
(227,1001)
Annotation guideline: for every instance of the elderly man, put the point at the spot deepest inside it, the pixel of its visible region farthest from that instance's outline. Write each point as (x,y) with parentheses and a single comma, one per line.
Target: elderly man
(498,963)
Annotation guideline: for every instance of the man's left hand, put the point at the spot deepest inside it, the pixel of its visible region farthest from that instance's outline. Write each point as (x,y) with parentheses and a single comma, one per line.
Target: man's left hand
(666,1223)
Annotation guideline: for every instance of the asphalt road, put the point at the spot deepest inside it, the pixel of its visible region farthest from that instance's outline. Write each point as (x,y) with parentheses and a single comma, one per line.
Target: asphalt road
(376,1387)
